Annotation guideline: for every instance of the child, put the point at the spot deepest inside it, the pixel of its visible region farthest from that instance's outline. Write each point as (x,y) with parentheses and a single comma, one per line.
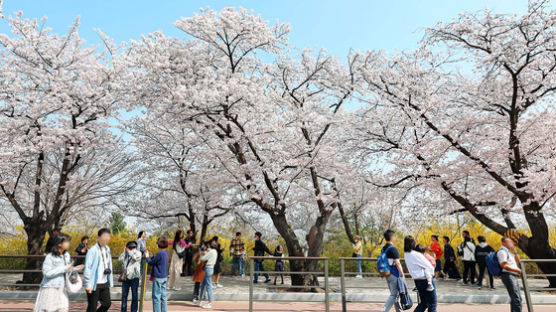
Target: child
(159,275)
(422,249)
(198,274)
(279,266)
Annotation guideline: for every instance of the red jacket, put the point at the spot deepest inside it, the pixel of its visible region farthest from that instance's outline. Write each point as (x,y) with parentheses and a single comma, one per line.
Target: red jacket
(435,247)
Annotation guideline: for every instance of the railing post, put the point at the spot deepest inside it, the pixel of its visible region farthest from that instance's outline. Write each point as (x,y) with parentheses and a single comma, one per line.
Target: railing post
(143,283)
(326,295)
(251,276)
(343,284)
(526,287)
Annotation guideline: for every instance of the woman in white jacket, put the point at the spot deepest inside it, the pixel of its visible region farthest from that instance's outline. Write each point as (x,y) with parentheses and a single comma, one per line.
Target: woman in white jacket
(419,267)
(468,258)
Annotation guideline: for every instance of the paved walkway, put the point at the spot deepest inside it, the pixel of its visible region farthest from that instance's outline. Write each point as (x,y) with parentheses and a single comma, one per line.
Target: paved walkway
(372,290)
(240,306)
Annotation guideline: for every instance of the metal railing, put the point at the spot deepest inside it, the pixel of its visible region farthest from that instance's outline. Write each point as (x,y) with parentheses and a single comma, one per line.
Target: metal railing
(344,274)
(526,289)
(323,273)
(40,258)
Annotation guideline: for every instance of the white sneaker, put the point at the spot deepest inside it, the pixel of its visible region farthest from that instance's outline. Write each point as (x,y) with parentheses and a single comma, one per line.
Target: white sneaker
(359,276)
(198,303)
(219,286)
(207,306)
(195,302)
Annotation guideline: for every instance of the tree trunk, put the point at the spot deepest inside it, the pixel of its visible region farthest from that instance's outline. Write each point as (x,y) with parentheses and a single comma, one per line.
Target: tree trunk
(204,228)
(36,232)
(538,246)
(294,248)
(345,221)
(315,242)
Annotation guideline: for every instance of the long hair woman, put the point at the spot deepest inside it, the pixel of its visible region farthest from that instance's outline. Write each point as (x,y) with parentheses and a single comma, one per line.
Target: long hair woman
(176,265)
(419,267)
(52,295)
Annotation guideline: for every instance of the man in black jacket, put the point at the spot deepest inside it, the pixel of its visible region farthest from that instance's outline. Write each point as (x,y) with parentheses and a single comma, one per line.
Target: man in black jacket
(260,250)
(481,252)
(450,260)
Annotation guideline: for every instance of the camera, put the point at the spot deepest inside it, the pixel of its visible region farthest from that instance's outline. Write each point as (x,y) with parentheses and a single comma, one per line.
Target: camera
(107,271)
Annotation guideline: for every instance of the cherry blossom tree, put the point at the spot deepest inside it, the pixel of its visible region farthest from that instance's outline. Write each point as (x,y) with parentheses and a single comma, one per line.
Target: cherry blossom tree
(270,125)
(57,152)
(475,120)
(181,180)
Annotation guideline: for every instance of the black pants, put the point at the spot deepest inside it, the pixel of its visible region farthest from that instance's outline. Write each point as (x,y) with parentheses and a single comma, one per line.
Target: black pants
(100,294)
(187,268)
(451,269)
(482,269)
(196,289)
(469,271)
(427,299)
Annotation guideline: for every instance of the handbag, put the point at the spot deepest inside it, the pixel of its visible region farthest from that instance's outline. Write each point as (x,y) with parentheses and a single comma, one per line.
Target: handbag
(73,280)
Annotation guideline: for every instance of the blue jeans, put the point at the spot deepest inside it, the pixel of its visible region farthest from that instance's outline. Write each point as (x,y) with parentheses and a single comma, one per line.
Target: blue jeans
(259,267)
(159,294)
(512,285)
(394,293)
(206,284)
(358,262)
(126,285)
(427,298)
(238,264)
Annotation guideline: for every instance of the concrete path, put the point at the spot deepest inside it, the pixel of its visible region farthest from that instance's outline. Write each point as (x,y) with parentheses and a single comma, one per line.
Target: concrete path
(240,306)
(365,290)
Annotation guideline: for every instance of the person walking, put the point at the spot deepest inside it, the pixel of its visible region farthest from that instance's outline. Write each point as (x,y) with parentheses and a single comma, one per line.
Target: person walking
(131,268)
(509,260)
(358,253)
(159,275)
(210,258)
(437,250)
(481,252)
(279,265)
(450,268)
(51,242)
(396,271)
(97,275)
(52,296)
(81,250)
(237,249)
(259,251)
(467,249)
(176,265)
(187,268)
(419,267)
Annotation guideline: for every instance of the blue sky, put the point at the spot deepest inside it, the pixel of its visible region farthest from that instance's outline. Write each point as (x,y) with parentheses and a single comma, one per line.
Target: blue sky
(335,25)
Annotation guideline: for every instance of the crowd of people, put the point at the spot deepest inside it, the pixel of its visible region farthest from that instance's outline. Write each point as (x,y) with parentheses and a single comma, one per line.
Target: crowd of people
(203,262)
(424,266)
